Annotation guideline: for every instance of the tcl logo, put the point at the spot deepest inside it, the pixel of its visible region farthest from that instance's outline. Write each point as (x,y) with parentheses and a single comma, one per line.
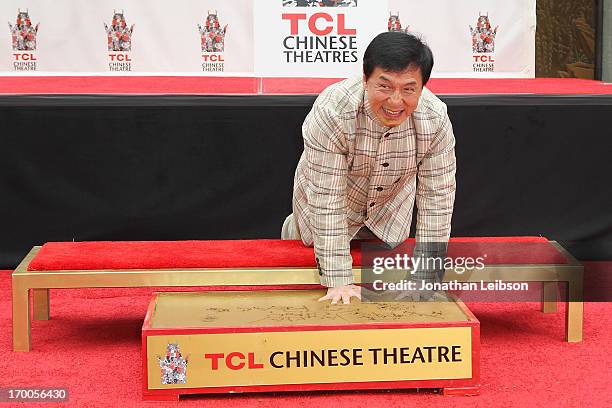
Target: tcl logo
(120,57)
(319,23)
(213,58)
(25,57)
(483,58)
(234,360)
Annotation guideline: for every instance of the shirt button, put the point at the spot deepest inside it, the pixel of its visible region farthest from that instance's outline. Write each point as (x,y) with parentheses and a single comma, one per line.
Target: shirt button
(385,164)
(372,204)
(379,189)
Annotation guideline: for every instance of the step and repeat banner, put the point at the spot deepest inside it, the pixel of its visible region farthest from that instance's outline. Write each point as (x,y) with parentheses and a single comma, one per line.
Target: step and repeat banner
(267,38)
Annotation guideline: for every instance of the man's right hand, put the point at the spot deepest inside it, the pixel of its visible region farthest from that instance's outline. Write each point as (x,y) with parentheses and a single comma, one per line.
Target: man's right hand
(344,292)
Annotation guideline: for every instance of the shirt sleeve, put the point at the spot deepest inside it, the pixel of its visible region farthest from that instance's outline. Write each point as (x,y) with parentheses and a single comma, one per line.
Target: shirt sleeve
(435,195)
(325,151)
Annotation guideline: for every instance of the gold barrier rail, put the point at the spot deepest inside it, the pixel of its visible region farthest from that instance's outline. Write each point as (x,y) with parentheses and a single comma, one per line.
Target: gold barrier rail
(39,282)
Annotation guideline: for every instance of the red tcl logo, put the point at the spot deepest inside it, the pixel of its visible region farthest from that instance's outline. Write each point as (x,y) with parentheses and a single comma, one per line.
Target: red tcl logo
(234,360)
(212,58)
(25,57)
(319,23)
(483,58)
(120,57)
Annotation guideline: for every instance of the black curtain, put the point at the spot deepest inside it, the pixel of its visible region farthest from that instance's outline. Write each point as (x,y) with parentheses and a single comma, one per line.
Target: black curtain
(175,168)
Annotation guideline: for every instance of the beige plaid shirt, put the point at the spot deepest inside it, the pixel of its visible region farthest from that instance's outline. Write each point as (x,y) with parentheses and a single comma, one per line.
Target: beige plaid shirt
(354,172)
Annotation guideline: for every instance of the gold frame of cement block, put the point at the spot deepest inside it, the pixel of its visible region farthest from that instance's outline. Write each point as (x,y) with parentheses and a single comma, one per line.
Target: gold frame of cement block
(39,282)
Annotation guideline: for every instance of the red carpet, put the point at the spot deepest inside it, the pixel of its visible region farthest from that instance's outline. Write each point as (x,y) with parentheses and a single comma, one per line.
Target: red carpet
(190,85)
(262,253)
(91,346)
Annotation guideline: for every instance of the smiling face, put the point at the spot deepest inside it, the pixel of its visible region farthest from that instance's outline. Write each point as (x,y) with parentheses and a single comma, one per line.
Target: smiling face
(393,96)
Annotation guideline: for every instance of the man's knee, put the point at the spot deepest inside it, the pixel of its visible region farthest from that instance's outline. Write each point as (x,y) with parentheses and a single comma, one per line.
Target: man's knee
(290,230)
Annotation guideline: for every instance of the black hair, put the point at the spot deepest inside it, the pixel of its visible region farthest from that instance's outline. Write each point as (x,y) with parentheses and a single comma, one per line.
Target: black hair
(396,51)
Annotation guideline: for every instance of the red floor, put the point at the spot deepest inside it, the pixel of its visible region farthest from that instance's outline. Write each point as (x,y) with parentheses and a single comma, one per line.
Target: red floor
(91,346)
(169,85)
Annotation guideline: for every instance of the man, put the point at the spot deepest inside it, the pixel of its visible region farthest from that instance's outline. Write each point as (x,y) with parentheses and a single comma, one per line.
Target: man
(372,147)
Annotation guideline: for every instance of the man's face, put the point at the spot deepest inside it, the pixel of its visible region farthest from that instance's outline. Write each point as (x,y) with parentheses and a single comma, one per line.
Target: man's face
(393,96)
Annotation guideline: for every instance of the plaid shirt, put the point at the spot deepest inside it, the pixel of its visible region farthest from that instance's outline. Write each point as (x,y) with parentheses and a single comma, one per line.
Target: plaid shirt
(354,172)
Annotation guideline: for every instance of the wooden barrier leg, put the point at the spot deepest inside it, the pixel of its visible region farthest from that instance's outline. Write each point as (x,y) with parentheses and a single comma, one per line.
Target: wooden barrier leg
(549,297)
(21,317)
(40,300)
(574,312)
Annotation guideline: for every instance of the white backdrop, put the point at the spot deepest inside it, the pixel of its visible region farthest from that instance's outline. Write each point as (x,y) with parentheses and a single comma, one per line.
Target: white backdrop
(71,38)
(166,39)
(445,26)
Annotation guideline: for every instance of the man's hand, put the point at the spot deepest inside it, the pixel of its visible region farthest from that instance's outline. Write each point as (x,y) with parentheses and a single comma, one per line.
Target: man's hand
(344,292)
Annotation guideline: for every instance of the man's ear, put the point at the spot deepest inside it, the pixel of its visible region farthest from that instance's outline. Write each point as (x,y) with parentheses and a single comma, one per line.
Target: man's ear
(365,80)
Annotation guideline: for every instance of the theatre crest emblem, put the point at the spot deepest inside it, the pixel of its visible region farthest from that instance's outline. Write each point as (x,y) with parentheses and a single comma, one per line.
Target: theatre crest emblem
(173,365)
(483,44)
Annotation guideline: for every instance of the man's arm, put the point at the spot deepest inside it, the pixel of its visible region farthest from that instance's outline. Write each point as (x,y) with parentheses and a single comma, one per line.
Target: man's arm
(325,150)
(435,197)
